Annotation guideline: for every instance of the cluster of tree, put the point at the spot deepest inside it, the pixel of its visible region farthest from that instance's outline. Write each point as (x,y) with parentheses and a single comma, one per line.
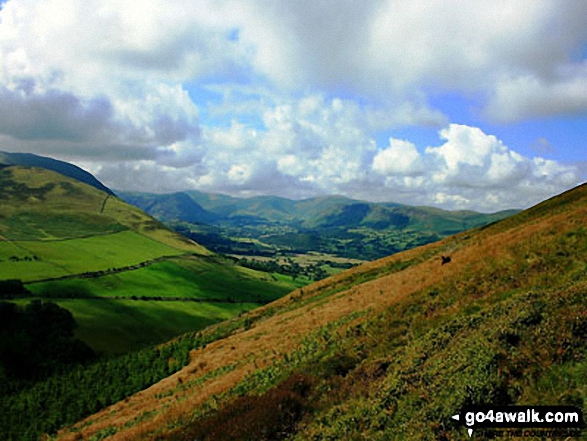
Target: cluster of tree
(71,394)
(291,268)
(11,288)
(342,265)
(37,340)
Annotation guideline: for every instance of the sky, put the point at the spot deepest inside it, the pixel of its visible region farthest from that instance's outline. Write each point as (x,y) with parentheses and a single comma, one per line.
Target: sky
(458,104)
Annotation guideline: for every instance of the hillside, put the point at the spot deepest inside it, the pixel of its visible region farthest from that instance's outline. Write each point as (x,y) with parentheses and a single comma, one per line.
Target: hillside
(48,221)
(390,349)
(129,281)
(62,167)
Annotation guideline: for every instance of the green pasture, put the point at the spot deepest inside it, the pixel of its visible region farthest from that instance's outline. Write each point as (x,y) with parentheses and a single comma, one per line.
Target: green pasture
(33,225)
(75,256)
(201,278)
(113,327)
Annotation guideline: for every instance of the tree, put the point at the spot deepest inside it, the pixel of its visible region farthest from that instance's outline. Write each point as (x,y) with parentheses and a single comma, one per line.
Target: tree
(38,339)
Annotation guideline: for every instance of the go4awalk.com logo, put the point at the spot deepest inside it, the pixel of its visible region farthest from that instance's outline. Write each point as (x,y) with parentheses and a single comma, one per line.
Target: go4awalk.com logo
(552,419)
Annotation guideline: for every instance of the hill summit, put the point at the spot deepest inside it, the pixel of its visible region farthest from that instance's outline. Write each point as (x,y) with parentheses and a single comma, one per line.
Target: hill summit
(62,167)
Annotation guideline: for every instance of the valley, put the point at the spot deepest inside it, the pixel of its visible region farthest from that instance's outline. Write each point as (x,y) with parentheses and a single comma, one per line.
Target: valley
(390,348)
(340,229)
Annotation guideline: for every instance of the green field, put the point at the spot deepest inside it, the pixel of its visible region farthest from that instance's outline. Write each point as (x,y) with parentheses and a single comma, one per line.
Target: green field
(196,277)
(112,327)
(131,310)
(75,256)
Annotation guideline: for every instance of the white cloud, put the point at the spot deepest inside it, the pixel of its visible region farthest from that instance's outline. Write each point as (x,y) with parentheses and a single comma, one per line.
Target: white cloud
(400,158)
(470,158)
(487,173)
(469,170)
(454,200)
(393,52)
(312,144)
(528,96)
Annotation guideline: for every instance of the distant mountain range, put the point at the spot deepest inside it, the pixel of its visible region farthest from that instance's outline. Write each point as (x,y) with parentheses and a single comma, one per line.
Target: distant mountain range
(267,225)
(315,213)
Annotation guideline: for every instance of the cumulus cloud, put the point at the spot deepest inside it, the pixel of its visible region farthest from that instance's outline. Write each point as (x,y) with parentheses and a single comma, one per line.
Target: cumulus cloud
(393,52)
(52,114)
(473,170)
(470,158)
(104,84)
(468,170)
(400,158)
(311,143)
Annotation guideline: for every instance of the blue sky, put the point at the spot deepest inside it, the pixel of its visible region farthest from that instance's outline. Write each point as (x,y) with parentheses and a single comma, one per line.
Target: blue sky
(457,104)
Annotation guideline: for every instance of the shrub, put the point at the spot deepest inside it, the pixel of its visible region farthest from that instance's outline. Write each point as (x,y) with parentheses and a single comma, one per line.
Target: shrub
(271,416)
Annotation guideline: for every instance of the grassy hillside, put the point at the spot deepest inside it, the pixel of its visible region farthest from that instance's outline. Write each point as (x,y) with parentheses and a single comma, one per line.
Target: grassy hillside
(39,206)
(391,349)
(61,167)
(128,280)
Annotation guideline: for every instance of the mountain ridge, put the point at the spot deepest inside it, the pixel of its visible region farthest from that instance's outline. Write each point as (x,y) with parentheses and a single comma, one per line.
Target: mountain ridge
(310,212)
(62,167)
(330,225)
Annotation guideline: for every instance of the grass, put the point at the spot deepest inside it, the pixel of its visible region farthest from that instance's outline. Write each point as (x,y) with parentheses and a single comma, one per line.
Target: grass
(48,226)
(41,204)
(117,326)
(113,325)
(76,256)
(194,278)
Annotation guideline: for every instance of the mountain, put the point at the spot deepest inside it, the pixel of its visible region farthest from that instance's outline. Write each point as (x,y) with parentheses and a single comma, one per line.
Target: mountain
(170,207)
(64,168)
(391,349)
(53,226)
(320,212)
(331,225)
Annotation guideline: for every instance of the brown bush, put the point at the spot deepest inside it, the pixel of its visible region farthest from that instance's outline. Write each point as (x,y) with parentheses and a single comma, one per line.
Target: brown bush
(271,416)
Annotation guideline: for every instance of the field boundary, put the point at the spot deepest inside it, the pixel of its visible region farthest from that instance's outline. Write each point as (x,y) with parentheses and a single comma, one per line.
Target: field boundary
(107,272)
